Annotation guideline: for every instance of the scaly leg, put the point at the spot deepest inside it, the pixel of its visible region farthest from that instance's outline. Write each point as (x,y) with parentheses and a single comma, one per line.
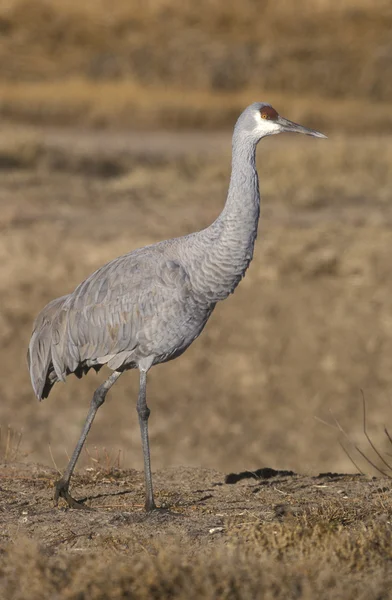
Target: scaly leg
(144,412)
(62,484)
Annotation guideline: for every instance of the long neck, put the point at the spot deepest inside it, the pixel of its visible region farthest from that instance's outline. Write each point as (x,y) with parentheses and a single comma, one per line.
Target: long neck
(229,241)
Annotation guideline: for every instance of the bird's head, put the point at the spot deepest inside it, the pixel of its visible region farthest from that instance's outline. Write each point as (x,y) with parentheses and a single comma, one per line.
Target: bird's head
(259,120)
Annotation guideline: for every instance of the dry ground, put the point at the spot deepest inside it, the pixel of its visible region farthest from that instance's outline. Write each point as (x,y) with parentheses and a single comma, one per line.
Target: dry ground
(268,535)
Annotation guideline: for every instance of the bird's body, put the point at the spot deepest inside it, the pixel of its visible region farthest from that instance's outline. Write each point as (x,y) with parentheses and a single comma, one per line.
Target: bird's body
(148,306)
(139,309)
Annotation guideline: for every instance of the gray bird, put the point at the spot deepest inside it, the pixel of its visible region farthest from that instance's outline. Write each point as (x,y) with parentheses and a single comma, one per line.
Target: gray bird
(148,306)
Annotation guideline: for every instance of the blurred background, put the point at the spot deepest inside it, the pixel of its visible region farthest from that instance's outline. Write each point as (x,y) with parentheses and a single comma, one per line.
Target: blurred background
(116,121)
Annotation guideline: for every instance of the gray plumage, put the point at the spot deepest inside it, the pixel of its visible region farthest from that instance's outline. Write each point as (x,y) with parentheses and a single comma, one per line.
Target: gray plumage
(148,306)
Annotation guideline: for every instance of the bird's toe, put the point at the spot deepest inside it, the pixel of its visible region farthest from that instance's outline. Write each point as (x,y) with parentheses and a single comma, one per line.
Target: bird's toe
(61,491)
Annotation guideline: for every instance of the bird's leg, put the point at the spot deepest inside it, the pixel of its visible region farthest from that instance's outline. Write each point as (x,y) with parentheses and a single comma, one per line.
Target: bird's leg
(144,412)
(62,484)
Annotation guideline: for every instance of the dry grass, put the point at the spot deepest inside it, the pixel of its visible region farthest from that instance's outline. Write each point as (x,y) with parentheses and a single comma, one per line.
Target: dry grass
(172,64)
(286,537)
(354,567)
(129,104)
(10,441)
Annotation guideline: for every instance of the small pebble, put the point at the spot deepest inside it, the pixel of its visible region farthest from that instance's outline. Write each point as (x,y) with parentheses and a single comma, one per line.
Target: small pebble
(216,529)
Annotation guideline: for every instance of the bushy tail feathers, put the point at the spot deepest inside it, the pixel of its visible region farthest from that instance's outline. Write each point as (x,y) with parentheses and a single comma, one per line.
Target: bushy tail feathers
(39,354)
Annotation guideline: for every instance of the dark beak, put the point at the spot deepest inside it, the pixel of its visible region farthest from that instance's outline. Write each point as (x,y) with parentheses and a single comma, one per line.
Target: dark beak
(292,127)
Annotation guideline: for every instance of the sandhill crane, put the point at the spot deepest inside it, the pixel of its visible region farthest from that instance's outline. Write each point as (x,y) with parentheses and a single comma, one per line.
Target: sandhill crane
(148,306)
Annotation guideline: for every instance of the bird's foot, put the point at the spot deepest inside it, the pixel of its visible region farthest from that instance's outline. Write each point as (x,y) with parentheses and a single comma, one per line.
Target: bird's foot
(160,512)
(61,491)
(150,505)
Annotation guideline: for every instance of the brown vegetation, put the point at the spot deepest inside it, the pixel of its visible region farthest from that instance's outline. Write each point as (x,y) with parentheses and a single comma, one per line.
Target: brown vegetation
(272,536)
(195,64)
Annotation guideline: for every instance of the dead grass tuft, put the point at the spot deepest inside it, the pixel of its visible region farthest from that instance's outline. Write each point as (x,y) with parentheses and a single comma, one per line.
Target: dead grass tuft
(10,442)
(280,562)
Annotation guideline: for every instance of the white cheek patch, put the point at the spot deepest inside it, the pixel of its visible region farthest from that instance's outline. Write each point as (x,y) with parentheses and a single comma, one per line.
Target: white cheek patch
(258,118)
(266,126)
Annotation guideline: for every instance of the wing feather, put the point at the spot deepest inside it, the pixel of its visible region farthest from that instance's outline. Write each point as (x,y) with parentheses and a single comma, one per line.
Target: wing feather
(139,305)
(39,355)
(120,308)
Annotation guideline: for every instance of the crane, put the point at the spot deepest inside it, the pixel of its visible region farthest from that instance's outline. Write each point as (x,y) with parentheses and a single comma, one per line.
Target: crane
(148,306)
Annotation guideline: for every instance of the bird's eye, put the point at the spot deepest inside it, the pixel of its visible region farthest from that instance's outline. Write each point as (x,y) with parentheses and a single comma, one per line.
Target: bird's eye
(269,113)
